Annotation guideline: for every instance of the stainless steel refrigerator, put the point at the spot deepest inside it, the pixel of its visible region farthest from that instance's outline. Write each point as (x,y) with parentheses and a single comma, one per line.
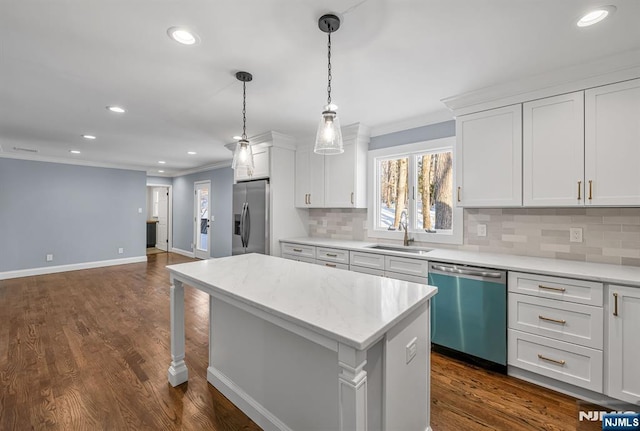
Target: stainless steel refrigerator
(250,217)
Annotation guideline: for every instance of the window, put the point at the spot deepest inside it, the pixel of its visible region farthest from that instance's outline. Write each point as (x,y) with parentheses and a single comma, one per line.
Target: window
(412,186)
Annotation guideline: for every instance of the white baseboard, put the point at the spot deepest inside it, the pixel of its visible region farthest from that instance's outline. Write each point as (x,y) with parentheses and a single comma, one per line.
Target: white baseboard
(71,267)
(182,252)
(252,408)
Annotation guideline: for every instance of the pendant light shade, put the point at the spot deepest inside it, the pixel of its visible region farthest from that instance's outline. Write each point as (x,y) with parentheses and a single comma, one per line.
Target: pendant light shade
(243,155)
(329,136)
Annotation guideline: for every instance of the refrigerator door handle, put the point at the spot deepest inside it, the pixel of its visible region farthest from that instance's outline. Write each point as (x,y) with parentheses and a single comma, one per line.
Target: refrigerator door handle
(247,225)
(244,205)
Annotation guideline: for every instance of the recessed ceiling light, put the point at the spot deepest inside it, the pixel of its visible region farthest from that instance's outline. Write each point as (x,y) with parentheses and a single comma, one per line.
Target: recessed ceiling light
(161,171)
(162,162)
(116,109)
(74,151)
(237,138)
(596,15)
(191,153)
(183,35)
(90,137)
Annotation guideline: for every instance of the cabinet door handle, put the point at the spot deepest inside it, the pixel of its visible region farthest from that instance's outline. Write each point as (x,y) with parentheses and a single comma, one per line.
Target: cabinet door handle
(579,190)
(458,194)
(590,189)
(557,289)
(555,361)
(351,198)
(549,319)
(309,198)
(615,304)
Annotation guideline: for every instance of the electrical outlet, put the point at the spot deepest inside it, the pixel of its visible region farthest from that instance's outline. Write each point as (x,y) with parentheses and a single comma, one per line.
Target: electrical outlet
(120,250)
(482,230)
(575,234)
(49,258)
(412,349)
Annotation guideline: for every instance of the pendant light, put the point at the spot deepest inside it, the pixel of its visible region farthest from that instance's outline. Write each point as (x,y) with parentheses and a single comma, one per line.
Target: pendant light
(243,155)
(329,136)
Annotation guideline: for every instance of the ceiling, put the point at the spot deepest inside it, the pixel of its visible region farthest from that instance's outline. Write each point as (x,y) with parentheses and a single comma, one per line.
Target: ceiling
(63,61)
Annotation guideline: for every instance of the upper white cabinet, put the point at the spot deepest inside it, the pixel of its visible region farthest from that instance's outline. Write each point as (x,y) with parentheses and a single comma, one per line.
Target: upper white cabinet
(623,347)
(261,164)
(489,158)
(612,144)
(336,181)
(309,191)
(553,151)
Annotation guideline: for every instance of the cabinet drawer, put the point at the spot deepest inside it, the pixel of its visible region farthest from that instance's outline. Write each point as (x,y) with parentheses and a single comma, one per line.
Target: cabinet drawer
(332,264)
(299,250)
(298,258)
(364,270)
(577,365)
(564,321)
(367,260)
(407,266)
(565,289)
(332,255)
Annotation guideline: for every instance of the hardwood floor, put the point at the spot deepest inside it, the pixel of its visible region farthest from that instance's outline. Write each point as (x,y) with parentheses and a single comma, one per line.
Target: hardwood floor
(90,350)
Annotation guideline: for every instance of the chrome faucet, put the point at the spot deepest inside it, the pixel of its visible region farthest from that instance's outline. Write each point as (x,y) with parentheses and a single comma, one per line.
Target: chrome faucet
(407,240)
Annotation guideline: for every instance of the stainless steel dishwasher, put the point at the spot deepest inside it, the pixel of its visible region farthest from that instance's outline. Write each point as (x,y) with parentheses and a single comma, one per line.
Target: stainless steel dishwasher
(469,313)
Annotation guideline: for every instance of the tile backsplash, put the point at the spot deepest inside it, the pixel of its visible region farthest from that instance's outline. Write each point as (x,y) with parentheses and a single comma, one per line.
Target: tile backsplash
(610,235)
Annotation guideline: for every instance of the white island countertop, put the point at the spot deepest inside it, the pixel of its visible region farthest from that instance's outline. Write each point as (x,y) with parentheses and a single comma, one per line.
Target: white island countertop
(351,308)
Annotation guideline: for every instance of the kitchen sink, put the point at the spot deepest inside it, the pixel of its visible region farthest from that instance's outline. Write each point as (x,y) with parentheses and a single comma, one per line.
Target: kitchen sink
(399,249)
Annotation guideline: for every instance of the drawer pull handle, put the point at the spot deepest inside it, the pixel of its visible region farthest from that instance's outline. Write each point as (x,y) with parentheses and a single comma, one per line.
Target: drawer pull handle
(615,304)
(458,194)
(297,250)
(555,361)
(557,289)
(331,255)
(590,189)
(579,190)
(331,265)
(549,319)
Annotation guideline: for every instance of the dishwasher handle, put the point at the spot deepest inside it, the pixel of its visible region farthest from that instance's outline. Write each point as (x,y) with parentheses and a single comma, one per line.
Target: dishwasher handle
(467,271)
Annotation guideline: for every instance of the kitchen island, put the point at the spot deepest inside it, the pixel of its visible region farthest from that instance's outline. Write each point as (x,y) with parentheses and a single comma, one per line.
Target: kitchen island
(298,346)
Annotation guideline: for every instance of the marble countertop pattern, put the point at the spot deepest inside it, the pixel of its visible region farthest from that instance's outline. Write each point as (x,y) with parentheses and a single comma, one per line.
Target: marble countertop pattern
(351,308)
(605,273)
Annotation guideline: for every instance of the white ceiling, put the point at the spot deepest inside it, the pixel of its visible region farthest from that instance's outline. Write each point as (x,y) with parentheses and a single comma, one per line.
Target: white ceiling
(63,61)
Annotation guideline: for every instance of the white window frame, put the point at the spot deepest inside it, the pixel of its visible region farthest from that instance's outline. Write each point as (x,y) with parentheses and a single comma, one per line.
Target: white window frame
(409,150)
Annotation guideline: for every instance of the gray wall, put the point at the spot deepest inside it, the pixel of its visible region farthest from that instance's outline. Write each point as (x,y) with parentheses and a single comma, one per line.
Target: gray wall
(77,213)
(160,180)
(419,134)
(221,201)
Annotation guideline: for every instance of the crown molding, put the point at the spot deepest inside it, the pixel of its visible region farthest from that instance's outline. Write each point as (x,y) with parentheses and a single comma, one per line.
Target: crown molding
(268,139)
(212,166)
(65,161)
(607,70)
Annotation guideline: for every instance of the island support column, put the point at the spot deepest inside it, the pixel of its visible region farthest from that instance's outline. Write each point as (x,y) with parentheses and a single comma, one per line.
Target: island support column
(178,372)
(352,388)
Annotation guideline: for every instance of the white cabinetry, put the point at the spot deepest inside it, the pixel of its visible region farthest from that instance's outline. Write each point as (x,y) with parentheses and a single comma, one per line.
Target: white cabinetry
(553,151)
(309,178)
(623,350)
(489,158)
(612,144)
(555,328)
(336,181)
(261,164)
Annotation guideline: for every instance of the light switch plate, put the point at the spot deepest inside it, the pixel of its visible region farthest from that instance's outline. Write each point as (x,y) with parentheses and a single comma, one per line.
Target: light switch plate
(49,258)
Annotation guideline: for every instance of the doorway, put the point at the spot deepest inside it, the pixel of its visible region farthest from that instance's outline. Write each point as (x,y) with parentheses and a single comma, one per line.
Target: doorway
(202,225)
(159,210)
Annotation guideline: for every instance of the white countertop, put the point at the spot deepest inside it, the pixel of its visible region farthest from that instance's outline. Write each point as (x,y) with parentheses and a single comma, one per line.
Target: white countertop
(615,274)
(349,307)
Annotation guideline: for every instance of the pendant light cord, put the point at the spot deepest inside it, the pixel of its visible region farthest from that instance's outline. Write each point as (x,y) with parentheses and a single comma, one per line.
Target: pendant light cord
(244,110)
(329,71)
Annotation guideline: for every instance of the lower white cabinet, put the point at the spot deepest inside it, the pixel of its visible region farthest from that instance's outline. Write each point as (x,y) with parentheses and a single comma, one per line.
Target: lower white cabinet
(623,344)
